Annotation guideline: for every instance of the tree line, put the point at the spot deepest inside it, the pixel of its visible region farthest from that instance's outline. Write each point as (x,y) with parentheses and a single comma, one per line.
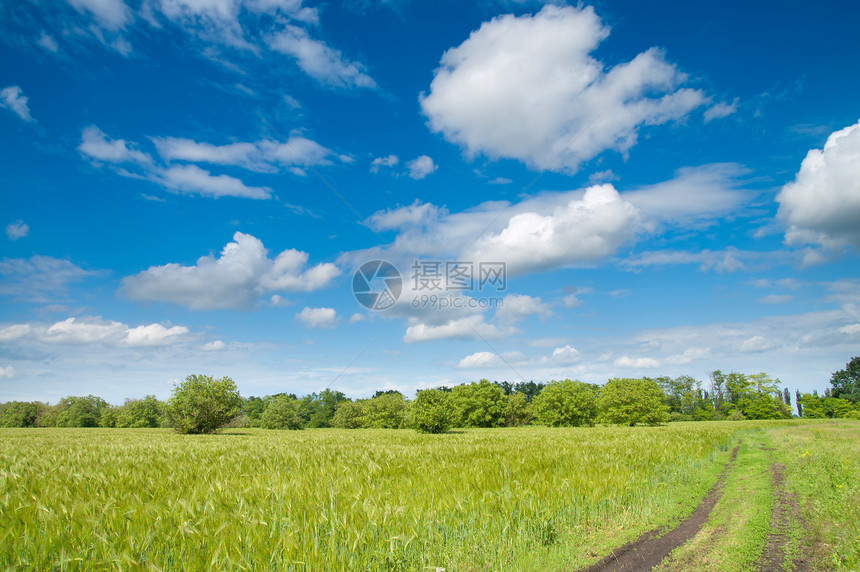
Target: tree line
(201,404)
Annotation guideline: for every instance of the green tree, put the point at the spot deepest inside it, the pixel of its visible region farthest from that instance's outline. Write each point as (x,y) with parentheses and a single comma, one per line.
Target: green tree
(349,414)
(318,409)
(282,413)
(518,411)
(846,382)
(21,413)
(137,413)
(566,404)
(385,411)
(201,404)
(75,411)
(812,406)
(431,411)
(481,404)
(631,402)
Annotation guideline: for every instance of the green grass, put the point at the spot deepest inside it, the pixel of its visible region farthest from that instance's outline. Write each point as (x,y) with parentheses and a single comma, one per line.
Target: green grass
(499,499)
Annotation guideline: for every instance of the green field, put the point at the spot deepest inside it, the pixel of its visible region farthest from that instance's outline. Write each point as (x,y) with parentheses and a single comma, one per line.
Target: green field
(497,499)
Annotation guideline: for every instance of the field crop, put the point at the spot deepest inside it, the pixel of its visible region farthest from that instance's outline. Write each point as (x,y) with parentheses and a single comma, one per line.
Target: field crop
(524,498)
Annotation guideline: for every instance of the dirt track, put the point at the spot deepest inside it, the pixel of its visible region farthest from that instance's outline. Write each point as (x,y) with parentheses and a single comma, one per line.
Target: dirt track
(651,548)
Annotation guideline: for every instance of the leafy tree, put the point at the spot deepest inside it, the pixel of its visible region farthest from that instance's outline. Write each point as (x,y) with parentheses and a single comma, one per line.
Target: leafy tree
(481,404)
(137,413)
(518,411)
(565,403)
(282,413)
(632,401)
(846,382)
(385,411)
(812,406)
(21,413)
(80,411)
(318,409)
(431,411)
(529,388)
(201,404)
(349,414)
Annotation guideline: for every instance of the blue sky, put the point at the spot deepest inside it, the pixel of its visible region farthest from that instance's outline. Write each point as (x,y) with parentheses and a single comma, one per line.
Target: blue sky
(189,186)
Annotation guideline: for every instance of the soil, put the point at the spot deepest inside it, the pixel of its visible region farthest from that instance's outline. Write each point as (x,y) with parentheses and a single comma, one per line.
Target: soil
(651,548)
(785,510)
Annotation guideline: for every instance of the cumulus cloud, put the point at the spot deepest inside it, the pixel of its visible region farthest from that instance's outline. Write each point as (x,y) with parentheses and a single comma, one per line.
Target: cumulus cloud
(318,317)
(214,346)
(822,205)
(582,230)
(17,229)
(421,167)
(527,88)
(13,99)
(415,215)
(95,330)
(756,344)
(379,162)
(320,61)
(237,279)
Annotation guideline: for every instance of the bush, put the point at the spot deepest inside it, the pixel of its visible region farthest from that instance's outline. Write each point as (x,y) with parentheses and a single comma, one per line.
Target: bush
(137,413)
(518,410)
(201,404)
(431,411)
(385,411)
(81,411)
(21,413)
(481,404)
(282,413)
(632,401)
(565,404)
(349,414)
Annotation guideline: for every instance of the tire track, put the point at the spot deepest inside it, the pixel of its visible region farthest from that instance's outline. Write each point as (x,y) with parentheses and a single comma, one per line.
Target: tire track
(654,546)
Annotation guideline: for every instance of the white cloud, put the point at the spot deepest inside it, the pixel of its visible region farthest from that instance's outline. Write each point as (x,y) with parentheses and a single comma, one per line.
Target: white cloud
(7,372)
(214,346)
(720,110)
(470,327)
(192,179)
(822,205)
(688,356)
(84,331)
(48,42)
(479,360)
(17,229)
(97,145)
(235,280)
(318,317)
(153,335)
(173,148)
(39,278)
(562,356)
(415,215)
(380,162)
(13,99)
(637,363)
(518,307)
(729,260)
(421,167)
(14,332)
(111,14)
(320,61)
(756,344)
(582,230)
(527,88)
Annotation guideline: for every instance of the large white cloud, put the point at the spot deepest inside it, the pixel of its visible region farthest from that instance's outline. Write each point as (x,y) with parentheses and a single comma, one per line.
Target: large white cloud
(237,279)
(92,330)
(318,317)
(470,327)
(527,88)
(822,205)
(582,230)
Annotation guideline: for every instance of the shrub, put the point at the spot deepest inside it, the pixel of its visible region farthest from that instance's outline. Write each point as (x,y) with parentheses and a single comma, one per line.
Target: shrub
(431,411)
(481,404)
(282,413)
(632,401)
(565,403)
(201,404)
